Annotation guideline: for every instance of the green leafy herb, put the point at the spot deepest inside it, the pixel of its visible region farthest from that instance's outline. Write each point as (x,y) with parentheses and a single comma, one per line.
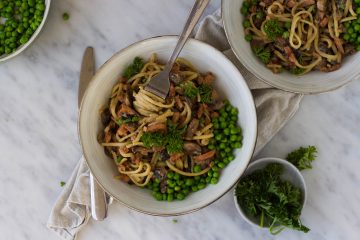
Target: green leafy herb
(297,71)
(205,92)
(275,202)
(262,53)
(273,29)
(175,220)
(190,90)
(62,183)
(302,157)
(134,68)
(153,139)
(172,140)
(130,119)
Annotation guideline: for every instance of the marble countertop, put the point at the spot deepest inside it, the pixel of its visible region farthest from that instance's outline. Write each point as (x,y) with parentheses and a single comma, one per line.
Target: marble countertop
(39,144)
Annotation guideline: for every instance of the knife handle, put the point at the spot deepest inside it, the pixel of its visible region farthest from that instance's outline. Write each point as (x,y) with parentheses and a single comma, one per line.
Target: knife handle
(98,200)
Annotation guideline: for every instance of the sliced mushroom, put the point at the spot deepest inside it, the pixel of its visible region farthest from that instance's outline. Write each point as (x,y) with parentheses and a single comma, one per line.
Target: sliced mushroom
(192,148)
(193,126)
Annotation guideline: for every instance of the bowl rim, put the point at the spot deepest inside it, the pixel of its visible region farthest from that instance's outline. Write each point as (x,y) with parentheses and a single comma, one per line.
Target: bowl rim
(255,73)
(85,155)
(22,48)
(269,160)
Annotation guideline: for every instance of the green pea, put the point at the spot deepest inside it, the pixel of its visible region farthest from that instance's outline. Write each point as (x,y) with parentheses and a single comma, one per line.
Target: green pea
(180,182)
(215,168)
(40,6)
(158,196)
(177,188)
(211,147)
(201,186)
(233,138)
(244,10)
(246,24)
(246,4)
(358,11)
(238,145)
(170,197)
(226,131)
(227,150)
(223,154)
(164,196)
(231,157)
(197,178)
(194,188)
(189,182)
(226,161)
(180,196)
(23,40)
(222,146)
(350,30)
(185,192)
(7,50)
(209,173)
(214,180)
(176,176)
(65,16)
(170,190)
(197,169)
(208,179)
(223,125)
(218,137)
(358,39)
(358,48)
(216,175)
(221,165)
(170,175)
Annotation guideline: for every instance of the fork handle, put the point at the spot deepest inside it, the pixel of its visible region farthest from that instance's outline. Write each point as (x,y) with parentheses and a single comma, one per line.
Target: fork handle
(193,18)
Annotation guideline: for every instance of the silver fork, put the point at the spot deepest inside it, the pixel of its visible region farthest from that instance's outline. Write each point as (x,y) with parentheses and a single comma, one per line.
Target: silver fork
(160,84)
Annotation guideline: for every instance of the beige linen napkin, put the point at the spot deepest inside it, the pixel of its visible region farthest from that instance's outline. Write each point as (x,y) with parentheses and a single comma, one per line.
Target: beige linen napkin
(274,109)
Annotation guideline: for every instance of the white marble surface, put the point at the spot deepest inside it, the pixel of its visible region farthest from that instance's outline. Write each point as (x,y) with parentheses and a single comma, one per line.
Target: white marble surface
(39,145)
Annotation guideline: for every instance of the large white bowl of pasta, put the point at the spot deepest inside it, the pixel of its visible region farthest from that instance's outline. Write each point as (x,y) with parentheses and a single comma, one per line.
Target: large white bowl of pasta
(161,157)
(306,46)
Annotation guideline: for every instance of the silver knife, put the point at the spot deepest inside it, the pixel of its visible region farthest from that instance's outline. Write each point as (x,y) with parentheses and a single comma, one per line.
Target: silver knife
(98,196)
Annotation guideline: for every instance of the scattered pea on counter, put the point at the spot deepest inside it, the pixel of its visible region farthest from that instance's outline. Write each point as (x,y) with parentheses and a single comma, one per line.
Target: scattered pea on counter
(66,16)
(20,19)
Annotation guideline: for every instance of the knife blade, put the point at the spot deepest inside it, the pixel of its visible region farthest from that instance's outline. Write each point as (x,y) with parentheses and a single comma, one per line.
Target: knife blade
(98,196)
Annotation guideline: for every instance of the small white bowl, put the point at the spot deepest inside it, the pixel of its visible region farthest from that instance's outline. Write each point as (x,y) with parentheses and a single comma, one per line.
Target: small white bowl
(33,37)
(228,81)
(291,174)
(310,83)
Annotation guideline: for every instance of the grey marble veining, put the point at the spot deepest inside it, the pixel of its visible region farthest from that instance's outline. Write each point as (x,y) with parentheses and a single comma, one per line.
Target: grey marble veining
(39,145)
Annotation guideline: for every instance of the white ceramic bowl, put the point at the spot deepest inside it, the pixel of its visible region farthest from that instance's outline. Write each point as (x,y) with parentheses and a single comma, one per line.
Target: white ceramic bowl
(312,82)
(33,37)
(291,174)
(228,81)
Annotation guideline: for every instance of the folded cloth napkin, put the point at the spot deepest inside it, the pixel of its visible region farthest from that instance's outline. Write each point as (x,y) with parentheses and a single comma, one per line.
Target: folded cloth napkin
(274,108)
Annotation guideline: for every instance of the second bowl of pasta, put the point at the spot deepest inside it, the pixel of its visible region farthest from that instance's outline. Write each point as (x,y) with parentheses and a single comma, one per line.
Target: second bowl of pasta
(306,46)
